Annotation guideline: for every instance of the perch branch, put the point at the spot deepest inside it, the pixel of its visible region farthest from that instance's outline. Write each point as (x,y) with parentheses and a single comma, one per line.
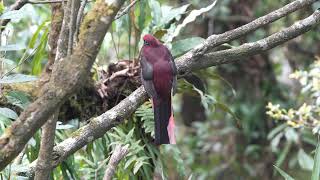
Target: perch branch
(98,126)
(67,77)
(216,40)
(189,63)
(118,154)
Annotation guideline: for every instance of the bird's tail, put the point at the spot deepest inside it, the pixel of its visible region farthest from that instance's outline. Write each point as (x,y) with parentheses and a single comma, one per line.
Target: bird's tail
(164,122)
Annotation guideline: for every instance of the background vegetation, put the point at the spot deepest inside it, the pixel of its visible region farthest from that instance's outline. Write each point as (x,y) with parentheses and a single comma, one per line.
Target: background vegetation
(253,119)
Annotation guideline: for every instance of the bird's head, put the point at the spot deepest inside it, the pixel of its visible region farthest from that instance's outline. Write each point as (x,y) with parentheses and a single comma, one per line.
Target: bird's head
(149,40)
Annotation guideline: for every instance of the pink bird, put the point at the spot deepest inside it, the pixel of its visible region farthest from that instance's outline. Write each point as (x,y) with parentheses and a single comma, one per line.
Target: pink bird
(159,78)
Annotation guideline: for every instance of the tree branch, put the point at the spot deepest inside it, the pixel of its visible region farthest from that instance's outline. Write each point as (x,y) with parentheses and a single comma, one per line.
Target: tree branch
(98,126)
(216,40)
(44,165)
(187,63)
(79,19)
(118,154)
(67,76)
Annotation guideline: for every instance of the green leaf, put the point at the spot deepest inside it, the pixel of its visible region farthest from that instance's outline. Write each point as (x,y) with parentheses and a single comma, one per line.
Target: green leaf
(8,62)
(283,174)
(35,36)
(276,130)
(228,110)
(18,98)
(291,134)
(217,76)
(155,12)
(8,113)
(305,161)
(130,161)
(181,46)
(39,54)
(190,18)
(284,153)
(12,47)
(17,78)
(1,7)
(316,165)
(170,13)
(137,166)
(32,42)
(142,15)
(15,14)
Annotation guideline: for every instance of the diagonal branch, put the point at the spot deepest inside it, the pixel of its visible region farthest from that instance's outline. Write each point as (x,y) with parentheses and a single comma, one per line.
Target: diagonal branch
(118,154)
(216,40)
(67,76)
(98,126)
(186,63)
(125,10)
(44,165)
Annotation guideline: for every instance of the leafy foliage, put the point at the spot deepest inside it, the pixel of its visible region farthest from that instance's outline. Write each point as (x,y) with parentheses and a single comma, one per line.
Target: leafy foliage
(209,149)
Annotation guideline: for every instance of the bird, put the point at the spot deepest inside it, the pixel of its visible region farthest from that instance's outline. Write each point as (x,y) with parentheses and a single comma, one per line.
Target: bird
(159,78)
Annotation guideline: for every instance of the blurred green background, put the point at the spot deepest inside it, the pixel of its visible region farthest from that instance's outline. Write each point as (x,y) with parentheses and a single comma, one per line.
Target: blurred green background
(226,131)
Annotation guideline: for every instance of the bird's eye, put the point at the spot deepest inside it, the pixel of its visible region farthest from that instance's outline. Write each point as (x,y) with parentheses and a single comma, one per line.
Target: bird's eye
(146,43)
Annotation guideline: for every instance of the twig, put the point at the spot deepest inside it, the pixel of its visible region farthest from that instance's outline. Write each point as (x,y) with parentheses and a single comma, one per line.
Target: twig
(71,27)
(118,154)
(62,48)
(79,19)
(65,41)
(125,10)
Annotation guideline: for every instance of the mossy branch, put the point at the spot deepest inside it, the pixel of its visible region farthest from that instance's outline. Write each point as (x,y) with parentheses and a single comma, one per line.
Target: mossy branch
(67,77)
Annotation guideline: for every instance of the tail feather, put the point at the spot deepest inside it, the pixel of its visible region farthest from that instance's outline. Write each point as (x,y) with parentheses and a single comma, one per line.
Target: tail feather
(164,123)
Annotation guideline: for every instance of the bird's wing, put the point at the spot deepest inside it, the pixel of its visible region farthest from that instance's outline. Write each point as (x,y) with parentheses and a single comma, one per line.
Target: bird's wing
(174,73)
(147,77)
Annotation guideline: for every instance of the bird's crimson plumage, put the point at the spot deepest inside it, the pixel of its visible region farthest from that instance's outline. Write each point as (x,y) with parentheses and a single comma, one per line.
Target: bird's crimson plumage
(158,75)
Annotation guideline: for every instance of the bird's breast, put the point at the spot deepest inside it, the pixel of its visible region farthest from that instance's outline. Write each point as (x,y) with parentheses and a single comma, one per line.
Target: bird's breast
(162,78)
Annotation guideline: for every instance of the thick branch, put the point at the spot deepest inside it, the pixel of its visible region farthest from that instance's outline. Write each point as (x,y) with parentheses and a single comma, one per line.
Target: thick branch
(44,164)
(67,76)
(98,126)
(118,154)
